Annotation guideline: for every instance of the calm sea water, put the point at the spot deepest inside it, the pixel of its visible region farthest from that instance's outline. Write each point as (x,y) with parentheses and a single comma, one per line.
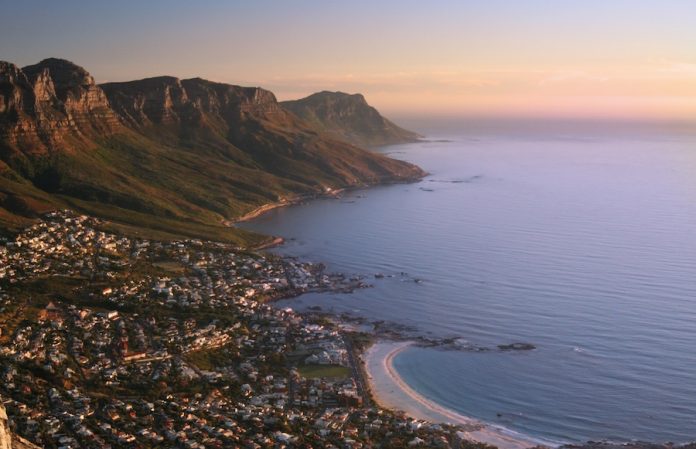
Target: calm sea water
(578,239)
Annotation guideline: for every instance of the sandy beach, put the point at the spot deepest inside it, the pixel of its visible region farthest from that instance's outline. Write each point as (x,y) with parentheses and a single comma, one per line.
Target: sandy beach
(390,391)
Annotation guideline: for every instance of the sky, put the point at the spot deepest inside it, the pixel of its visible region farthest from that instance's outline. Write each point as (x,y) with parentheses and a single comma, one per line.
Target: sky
(531,58)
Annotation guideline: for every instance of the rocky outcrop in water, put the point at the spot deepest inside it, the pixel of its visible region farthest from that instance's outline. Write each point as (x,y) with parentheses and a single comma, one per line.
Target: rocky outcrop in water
(517,347)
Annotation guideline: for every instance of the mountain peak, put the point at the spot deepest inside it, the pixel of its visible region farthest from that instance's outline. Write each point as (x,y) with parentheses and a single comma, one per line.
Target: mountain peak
(335,96)
(7,68)
(65,75)
(42,104)
(337,93)
(349,117)
(168,100)
(146,82)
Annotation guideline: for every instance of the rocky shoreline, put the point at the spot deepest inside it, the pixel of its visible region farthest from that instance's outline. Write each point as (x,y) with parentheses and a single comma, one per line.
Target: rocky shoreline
(396,333)
(404,336)
(390,331)
(328,193)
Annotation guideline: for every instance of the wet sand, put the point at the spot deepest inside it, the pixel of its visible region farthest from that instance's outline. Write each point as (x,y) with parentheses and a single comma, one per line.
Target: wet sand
(391,391)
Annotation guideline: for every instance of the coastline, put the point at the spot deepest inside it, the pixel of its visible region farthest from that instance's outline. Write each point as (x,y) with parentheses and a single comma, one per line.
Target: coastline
(385,385)
(390,391)
(328,193)
(255,213)
(270,243)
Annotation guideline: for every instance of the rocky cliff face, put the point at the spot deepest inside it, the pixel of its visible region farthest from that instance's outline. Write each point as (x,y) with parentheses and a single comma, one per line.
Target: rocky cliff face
(350,118)
(7,439)
(176,155)
(5,435)
(43,104)
(170,101)
(160,100)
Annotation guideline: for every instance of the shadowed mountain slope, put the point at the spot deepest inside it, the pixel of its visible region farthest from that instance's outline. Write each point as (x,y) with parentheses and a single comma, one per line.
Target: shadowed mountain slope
(180,157)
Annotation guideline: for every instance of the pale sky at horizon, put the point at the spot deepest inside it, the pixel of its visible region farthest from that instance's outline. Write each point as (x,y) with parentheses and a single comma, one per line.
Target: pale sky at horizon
(565,58)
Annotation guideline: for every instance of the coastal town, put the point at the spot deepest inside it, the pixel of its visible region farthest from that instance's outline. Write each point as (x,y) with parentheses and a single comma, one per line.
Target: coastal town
(109,341)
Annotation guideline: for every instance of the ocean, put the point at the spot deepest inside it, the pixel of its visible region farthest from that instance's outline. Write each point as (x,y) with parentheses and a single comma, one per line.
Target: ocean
(578,238)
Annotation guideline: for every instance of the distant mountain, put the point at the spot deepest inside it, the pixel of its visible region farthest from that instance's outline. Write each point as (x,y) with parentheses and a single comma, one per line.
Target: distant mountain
(350,118)
(176,156)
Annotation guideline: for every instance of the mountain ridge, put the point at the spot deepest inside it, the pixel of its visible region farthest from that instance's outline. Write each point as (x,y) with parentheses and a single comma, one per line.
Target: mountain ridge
(349,117)
(181,157)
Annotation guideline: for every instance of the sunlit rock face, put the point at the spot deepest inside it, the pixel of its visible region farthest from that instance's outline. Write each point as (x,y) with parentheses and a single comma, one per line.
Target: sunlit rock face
(7,439)
(5,436)
(43,104)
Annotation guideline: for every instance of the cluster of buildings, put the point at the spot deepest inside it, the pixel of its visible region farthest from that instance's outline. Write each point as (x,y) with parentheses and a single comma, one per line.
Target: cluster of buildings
(109,341)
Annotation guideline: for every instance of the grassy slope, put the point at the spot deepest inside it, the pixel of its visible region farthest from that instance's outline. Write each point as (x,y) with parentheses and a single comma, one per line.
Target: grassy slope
(172,187)
(187,177)
(20,201)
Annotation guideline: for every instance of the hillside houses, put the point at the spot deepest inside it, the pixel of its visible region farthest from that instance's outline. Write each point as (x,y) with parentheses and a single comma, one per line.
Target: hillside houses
(130,343)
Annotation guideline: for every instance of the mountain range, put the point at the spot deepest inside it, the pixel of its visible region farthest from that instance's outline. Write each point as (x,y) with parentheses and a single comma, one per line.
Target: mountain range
(172,157)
